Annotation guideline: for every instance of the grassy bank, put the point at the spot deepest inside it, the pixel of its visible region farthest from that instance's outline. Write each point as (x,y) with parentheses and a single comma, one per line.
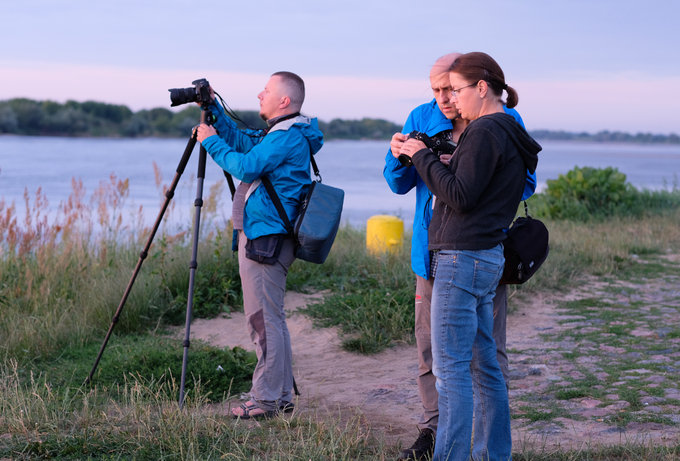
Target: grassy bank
(62,278)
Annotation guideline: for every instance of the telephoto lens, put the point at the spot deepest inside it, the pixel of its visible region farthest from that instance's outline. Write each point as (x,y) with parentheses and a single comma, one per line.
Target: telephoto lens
(200,93)
(405,160)
(180,96)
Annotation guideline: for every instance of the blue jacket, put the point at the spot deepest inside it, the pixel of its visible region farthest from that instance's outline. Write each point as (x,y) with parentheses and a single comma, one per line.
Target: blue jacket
(282,154)
(428,119)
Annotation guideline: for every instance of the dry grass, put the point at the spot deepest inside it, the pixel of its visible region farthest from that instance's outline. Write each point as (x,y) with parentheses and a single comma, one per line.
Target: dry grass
(64,267)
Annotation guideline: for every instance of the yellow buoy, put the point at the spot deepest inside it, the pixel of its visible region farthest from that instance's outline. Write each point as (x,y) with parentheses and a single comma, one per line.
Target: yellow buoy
(384,233)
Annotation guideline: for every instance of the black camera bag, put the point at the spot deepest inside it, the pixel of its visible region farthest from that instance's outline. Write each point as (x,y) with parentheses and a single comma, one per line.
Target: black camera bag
(525,249)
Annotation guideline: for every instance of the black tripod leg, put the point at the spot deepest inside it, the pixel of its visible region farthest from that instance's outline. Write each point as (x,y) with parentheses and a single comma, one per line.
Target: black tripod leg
(168,196)
(192,272)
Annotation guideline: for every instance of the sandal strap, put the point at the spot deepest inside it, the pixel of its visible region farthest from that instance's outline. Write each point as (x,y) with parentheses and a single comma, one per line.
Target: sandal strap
(249,407)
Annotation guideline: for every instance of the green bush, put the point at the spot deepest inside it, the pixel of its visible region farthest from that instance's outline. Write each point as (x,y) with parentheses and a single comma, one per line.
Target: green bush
(587,191)
(595,193)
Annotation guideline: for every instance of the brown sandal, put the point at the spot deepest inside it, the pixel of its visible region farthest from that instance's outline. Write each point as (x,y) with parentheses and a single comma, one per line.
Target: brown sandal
(250,410)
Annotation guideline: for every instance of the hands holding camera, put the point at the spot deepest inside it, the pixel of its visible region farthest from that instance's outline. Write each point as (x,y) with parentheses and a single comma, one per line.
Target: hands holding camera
(404,146)
(411,145)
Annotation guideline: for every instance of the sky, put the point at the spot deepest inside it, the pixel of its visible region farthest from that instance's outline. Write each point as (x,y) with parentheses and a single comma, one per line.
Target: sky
(578,65)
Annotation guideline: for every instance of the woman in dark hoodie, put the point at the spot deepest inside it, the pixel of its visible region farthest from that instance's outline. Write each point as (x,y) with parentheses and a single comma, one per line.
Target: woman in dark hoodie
(477,196)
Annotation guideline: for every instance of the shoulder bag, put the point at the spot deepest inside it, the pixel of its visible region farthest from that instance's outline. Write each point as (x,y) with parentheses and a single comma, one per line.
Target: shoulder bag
(318,220)
(525,249)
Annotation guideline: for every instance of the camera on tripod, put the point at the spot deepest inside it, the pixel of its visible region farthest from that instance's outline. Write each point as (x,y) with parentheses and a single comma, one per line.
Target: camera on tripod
(439,144)
(202,94)
(199,93)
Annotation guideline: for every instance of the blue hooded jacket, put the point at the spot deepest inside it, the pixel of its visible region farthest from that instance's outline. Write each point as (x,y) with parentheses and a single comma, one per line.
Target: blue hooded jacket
(428,119)
(282,154)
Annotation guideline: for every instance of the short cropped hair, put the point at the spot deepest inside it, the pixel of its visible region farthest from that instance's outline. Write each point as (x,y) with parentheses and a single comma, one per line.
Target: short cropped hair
(294,86)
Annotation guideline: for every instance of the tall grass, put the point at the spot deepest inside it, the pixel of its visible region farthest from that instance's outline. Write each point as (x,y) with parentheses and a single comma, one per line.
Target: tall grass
(62,274)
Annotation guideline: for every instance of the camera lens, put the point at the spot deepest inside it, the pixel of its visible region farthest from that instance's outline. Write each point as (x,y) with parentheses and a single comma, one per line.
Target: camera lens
(182,96)
(405,160)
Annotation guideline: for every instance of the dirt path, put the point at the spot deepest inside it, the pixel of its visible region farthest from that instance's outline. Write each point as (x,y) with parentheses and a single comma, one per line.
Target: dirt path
(381,386)
(545,359)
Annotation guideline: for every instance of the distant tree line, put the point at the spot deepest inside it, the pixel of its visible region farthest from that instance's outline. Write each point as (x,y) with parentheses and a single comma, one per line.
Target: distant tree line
(607,136)
(96,119)
(48,118)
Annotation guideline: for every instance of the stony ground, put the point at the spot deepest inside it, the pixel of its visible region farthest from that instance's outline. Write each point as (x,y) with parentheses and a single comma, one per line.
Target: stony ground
(600,364)
(597,365)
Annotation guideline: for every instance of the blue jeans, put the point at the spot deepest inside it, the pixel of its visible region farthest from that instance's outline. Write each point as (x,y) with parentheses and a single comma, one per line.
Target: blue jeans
(462,337)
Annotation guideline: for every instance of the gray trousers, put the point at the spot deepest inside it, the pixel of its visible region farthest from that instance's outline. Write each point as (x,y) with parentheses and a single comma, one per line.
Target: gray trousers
(426,379)
(264,287)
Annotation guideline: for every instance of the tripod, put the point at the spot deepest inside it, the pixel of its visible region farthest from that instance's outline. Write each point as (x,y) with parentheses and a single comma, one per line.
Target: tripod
(198,203)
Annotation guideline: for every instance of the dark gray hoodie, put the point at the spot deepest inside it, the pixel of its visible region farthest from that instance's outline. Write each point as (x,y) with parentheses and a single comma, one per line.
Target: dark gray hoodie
(477,195)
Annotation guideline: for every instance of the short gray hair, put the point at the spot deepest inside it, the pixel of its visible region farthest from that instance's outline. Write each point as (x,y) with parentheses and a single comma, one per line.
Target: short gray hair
(294,86)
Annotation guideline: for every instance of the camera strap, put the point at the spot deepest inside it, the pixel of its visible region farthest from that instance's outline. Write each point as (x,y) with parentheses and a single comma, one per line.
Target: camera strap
(266,182)
(273,121)
(270,124)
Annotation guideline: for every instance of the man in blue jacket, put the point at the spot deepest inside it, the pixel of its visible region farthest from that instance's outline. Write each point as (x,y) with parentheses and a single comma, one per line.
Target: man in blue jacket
(439,120)
(281,153)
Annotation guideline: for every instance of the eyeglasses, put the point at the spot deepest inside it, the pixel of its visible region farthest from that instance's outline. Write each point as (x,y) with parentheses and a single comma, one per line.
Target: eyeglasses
(455,92)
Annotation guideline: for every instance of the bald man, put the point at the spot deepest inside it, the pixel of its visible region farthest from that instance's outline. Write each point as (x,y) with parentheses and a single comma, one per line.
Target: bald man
(439,120)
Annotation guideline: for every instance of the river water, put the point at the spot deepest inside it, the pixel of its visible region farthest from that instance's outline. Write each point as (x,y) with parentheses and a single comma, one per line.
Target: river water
(50,163)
